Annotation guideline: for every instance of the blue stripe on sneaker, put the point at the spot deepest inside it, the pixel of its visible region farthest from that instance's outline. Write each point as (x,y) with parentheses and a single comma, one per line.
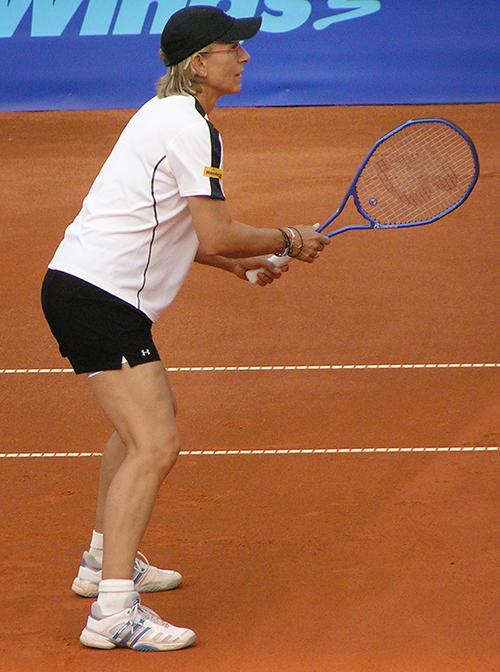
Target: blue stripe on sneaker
(128,624)
(132,632)
(139,572)
(117,635)
(141,634)
(128,632)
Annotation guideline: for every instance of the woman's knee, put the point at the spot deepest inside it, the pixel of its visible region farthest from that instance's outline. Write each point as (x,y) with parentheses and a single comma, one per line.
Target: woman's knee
(167,453)
(158,454)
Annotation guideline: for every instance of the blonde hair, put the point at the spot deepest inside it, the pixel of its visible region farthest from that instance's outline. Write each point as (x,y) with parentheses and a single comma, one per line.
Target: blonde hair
(181,79)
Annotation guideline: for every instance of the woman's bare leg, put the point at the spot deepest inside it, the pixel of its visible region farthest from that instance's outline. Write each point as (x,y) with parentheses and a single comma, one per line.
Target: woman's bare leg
(139,403)
(111,460)
(113,456)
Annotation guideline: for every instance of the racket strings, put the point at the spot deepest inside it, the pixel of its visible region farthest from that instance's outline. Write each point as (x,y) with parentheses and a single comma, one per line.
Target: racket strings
(416,174)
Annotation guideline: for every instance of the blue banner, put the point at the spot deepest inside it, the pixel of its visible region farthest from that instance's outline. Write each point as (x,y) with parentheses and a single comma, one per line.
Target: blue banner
(81,54)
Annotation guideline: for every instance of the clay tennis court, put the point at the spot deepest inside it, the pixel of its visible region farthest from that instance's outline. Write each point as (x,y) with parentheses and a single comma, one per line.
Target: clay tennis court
(335,507)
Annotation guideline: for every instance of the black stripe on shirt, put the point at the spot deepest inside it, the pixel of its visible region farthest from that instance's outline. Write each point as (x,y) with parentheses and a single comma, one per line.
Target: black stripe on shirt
(215,186)
(157,224)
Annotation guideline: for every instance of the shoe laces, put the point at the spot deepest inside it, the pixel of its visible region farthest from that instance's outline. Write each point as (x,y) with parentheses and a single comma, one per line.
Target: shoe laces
(141,564)
(138,610)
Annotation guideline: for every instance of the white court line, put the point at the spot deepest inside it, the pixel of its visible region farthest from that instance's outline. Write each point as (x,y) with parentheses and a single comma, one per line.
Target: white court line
(285,451)
(293,367)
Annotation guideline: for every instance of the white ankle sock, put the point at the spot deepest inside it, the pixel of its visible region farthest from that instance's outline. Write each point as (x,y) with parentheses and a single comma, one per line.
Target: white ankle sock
(116,595)
(97,545)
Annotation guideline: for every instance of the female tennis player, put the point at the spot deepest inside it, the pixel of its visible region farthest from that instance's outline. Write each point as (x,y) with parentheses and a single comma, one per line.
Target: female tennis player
(156,206)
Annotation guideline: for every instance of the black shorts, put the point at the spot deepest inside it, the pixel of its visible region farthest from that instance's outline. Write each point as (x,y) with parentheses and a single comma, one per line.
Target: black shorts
(95,330)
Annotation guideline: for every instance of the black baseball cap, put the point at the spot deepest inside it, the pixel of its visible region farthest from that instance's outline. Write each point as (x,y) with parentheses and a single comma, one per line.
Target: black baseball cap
(190,29)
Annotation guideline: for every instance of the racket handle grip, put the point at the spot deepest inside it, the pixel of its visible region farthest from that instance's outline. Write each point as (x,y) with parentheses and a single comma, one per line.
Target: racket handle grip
(277,261)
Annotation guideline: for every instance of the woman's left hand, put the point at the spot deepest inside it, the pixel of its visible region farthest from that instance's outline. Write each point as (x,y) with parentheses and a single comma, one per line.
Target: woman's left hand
(269,273)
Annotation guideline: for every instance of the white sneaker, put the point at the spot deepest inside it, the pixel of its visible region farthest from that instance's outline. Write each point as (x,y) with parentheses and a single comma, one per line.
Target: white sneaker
(137,628)
(147,579)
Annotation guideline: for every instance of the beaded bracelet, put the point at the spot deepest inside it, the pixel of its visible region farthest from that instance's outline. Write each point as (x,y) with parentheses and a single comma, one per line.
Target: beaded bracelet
(295,232)
(287,244)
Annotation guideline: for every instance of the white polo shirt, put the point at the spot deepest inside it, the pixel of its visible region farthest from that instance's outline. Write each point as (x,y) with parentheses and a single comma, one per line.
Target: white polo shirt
(134,236)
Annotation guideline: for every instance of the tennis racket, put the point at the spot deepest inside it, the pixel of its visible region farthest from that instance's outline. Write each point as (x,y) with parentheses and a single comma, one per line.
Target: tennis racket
(414,175)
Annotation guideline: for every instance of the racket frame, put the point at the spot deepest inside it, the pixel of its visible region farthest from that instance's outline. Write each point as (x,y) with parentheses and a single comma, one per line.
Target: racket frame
(377,225)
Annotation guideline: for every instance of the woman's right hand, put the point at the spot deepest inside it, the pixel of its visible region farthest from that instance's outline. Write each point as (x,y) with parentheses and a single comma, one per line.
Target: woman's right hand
(312,243)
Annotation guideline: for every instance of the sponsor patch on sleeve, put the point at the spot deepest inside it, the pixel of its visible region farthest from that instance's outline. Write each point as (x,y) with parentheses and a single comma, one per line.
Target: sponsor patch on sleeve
(216,173)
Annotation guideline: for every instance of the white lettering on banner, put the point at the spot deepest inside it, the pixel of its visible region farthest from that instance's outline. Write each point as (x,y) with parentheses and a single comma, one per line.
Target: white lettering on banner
(50,18)
(354,9)
(282,16)
(11,15)
(98,17)
(132,15)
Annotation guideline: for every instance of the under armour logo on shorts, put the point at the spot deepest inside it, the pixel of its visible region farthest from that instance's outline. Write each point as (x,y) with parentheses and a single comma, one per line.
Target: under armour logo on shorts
(145,352)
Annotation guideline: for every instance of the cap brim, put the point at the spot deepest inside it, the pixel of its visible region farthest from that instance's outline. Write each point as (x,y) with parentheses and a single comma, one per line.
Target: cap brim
(242,29)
